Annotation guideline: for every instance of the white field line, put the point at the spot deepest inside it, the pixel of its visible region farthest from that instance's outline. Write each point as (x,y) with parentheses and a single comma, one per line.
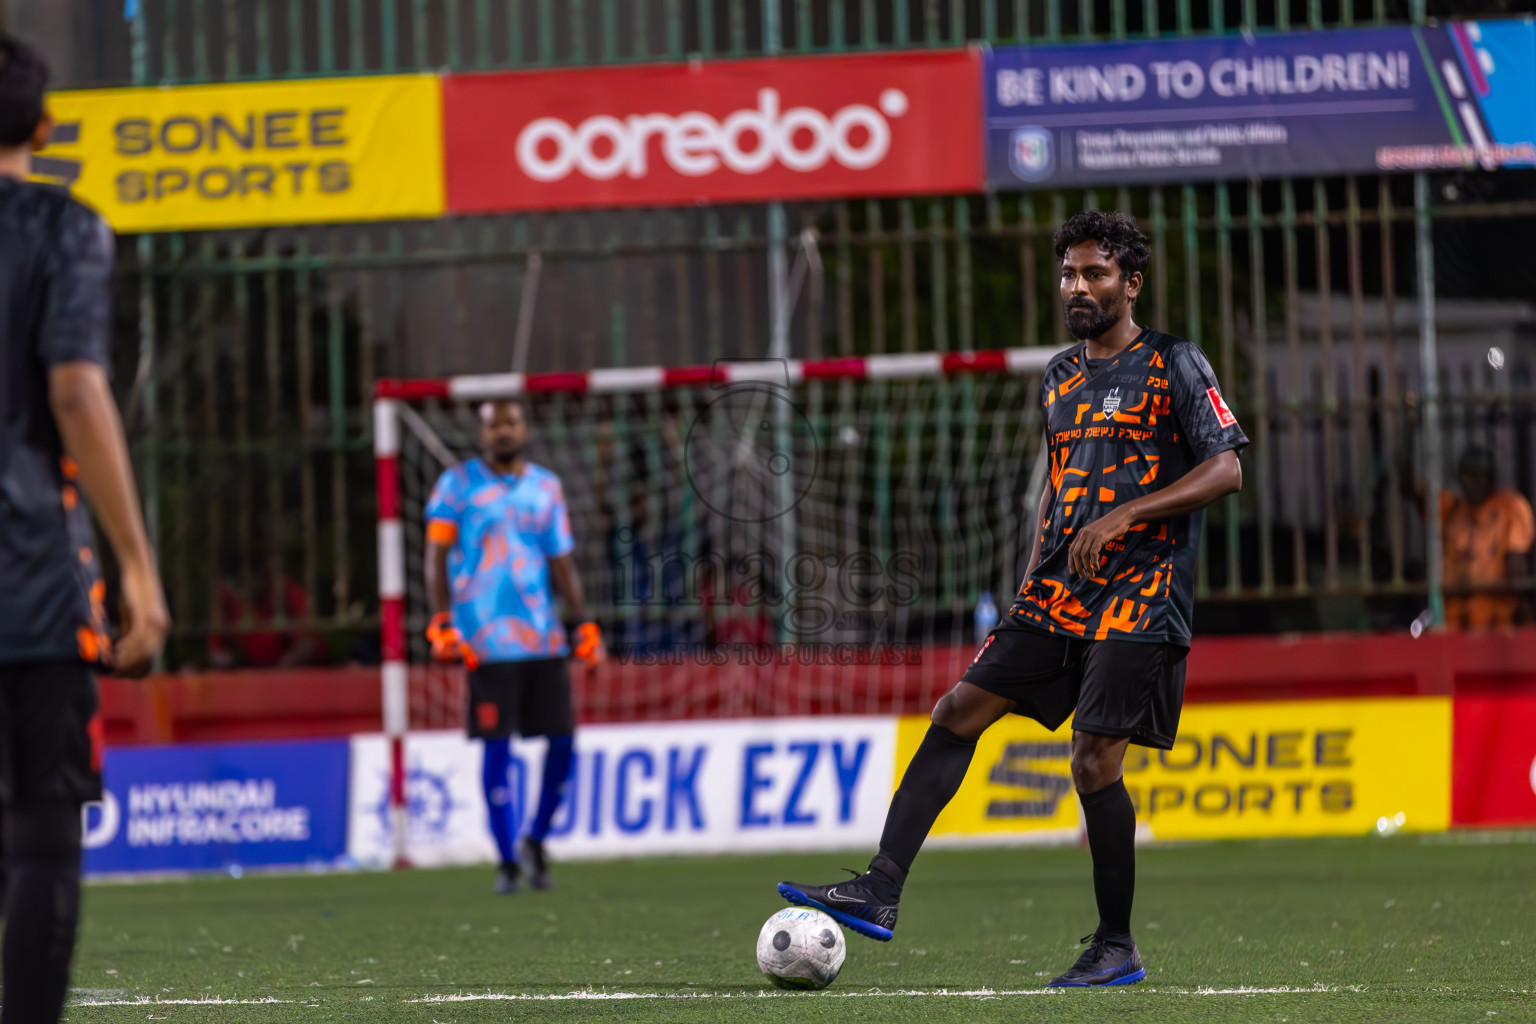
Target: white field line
(205,1001)
(591,996)
(942,993)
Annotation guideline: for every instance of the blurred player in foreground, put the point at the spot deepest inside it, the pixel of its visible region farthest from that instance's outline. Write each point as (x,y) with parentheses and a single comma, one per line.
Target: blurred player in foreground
(59,428)
(1140,441)
(497,537)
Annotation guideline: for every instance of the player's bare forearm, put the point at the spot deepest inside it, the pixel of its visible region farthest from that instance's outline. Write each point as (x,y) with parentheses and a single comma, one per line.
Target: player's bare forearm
(81,401)
(1213,479)
(436,573)
(562,573)
(92,431)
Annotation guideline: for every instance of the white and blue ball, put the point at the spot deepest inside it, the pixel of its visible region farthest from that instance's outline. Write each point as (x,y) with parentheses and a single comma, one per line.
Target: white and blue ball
(801,948)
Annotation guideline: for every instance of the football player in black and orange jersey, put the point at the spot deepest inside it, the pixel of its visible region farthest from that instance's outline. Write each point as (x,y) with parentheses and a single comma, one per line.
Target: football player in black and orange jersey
(1140,441)
(55,401)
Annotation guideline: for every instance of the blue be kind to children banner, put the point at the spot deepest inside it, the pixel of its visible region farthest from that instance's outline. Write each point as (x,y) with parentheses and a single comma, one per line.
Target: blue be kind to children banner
(1461,95)
(210,806)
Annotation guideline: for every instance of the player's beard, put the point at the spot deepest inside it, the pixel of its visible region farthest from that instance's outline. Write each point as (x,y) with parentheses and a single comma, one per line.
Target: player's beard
(505,455)
(1098,319)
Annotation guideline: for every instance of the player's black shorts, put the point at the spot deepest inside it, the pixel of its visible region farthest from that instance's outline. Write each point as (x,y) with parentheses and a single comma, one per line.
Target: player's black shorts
(50,739)
(529,698)
(1118,687)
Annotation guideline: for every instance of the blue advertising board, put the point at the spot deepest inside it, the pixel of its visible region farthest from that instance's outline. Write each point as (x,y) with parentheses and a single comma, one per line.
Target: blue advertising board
(1338,102)
(211,806)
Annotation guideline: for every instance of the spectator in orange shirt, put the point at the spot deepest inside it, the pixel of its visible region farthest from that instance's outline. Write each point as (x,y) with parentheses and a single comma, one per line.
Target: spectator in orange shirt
(1488,532)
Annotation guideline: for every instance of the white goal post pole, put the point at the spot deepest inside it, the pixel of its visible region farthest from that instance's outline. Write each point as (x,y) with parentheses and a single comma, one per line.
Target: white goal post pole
(392,623)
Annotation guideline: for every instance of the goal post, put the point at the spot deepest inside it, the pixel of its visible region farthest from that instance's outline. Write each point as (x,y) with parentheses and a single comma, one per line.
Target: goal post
(835,502)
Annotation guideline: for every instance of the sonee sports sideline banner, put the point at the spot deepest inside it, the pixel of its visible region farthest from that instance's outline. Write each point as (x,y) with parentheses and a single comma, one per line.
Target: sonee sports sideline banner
(301,152)
(1236,771)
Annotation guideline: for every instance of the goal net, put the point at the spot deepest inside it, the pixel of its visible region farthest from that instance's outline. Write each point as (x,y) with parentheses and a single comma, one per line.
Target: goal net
(776,537)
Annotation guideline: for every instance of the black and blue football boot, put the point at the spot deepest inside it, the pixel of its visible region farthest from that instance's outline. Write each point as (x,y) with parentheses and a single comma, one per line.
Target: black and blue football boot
(1105,962)
(866,904)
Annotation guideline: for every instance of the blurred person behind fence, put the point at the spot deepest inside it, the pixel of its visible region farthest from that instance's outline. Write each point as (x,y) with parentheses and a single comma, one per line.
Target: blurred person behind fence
(1488,531)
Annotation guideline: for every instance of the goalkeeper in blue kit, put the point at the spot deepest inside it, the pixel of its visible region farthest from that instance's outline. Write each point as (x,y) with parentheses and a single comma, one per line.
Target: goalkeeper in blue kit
(498,550)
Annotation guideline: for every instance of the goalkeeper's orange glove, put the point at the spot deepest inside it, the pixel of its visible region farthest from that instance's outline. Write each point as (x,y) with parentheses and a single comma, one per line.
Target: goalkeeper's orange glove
(589,644)
(448,643)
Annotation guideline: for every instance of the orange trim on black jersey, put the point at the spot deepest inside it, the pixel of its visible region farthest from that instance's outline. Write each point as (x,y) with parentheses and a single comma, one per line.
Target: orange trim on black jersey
(94,646)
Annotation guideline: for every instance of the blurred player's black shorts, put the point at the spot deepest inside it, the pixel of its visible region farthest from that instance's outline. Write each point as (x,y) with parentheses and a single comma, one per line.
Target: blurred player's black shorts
(1118,687)
(50,737)
(528,698)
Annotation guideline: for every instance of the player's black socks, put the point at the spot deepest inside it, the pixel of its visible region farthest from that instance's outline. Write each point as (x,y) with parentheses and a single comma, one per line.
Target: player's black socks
(931,781)
(1111,819)
(43,848)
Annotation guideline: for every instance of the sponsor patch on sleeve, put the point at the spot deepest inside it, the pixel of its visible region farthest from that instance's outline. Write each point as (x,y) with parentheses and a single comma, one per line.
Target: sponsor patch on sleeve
(1219,406)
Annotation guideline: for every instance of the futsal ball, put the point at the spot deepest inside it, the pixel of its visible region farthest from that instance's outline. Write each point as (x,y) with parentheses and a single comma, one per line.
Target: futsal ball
(801,948)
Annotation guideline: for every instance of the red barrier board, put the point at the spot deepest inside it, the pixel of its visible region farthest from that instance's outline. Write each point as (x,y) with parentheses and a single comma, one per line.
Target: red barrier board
(727,131)
(1493,776)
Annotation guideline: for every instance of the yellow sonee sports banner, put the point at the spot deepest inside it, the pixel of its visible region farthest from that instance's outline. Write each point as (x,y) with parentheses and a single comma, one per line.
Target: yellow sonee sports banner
(1292,768)
(298,152)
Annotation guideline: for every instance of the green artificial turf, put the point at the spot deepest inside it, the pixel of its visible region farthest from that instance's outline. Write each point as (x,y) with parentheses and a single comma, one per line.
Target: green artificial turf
(1402,929)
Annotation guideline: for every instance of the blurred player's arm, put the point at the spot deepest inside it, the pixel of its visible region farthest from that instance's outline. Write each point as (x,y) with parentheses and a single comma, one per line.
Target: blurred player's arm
(588,646)
(74,343)
(447,643)
(86,413)
(436,572)
(1215,478)
(559,545)
(442,535)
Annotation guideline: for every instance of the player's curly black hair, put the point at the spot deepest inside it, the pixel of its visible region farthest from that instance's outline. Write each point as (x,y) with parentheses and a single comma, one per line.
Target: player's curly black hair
(1116,233)
(23,81)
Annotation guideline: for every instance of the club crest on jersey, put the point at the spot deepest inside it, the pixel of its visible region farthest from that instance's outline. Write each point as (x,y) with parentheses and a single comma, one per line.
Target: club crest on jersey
(1111,402)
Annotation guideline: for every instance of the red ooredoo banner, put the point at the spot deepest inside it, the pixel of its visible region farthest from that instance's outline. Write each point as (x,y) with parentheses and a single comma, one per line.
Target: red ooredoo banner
(730,131)
(1493,774)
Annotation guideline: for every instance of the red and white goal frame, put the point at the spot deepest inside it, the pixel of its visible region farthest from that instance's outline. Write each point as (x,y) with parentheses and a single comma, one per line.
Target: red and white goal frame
(390,395)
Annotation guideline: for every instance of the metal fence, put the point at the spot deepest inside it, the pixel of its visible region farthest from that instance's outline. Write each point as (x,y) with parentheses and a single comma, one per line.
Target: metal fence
(180,41)
(248,356)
